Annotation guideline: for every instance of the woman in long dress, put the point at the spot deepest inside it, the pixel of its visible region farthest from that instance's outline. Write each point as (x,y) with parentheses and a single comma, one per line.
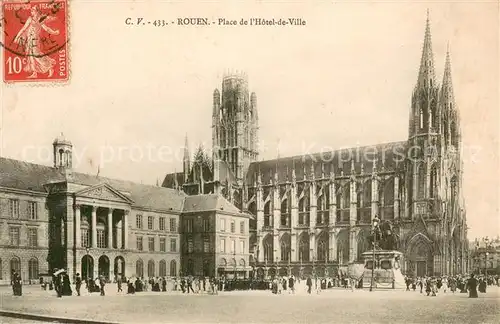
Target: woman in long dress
(29,36)
(66,285)
(472,286)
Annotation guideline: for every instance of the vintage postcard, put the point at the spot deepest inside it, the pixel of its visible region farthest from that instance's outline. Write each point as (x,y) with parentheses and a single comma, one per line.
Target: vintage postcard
(249,161)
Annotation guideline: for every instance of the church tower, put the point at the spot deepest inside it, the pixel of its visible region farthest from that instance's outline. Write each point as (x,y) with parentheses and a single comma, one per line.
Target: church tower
(235,125)
(424,136)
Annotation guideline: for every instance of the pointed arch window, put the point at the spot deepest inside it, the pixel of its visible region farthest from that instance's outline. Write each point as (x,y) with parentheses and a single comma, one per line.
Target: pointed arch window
(15,265)
(421,181)
(421,118)
(453,192)
(284,213)
(139,268)
(268,249)
(285,248)
(304,248)
(433,182)
(367,194)
(33,269)
(267,214)
(433,114)
(173,268)
(151,268)
(346,196)
(163,268)
(322,249)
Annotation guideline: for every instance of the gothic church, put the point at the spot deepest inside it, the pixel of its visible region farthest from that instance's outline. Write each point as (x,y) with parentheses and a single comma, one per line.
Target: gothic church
(313,213)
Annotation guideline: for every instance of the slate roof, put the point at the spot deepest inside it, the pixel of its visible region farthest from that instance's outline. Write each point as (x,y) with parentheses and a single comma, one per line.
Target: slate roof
(169,180)
(210,202)
(338,160)
(225,174)
(29,176)
(147,196)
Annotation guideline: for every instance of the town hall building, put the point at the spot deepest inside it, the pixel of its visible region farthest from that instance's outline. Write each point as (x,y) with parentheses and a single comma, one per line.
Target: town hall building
(54,217)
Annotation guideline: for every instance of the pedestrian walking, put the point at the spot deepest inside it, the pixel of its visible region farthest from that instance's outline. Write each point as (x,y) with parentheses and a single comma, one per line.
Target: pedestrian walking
(78,283)
(102,283)
(119,283)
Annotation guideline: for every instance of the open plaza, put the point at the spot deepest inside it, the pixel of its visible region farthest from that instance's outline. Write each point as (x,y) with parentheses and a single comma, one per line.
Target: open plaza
(335,305)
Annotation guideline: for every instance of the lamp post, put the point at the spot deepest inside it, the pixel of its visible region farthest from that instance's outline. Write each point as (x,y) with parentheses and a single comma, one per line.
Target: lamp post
(486,263)
(374,231)
(87,257)
(234,259)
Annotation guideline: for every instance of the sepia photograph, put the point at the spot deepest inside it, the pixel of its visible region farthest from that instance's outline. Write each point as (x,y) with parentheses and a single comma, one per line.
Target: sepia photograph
(249,161)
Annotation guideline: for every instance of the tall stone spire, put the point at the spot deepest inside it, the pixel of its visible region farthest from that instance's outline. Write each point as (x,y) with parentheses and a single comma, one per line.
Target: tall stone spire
(447,96)
(426,74)
(186,163)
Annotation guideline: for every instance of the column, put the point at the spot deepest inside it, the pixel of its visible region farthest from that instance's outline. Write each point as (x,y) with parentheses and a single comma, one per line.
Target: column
(260,221)
(78,219)
(375,198)
(276,223)
(313,211)
(396,198)
(312,245)
(353,246)
(119,236)
(294,217)
(94,226)
(125,229)
(332,193)
(260,248)
(353,208)
(110,228)
(294,247)
(333,245)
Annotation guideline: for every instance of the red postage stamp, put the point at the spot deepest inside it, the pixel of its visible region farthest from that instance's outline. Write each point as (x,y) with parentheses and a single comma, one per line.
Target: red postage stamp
(35,40)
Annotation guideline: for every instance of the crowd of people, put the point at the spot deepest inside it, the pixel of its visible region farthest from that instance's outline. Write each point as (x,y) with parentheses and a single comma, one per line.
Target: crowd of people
(431,286)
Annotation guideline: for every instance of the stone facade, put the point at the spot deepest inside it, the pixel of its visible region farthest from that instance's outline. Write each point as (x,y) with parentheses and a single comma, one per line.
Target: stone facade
(314,213)
(52,217)
(215,238)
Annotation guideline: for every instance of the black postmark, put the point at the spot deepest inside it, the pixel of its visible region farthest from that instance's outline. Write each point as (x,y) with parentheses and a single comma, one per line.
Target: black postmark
(38,46)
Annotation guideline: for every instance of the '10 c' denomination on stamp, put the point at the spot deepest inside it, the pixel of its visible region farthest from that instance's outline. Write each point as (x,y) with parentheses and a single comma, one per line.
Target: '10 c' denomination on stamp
(35,40)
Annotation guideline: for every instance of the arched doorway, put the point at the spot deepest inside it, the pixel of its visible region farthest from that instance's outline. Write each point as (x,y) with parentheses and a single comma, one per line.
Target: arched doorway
(420,256)
(363,243)
(268,249)
(103,266)
(343,247)
(151,269)
(87,267)
(119,267)
(304,247)
(173,268)
(322,247)
(285,244)
(206,268)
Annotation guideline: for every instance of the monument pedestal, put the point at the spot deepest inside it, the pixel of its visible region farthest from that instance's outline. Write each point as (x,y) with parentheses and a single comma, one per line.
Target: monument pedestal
(387,272)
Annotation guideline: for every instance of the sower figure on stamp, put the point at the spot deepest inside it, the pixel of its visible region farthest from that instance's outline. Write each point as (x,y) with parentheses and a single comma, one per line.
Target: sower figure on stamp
(30,38)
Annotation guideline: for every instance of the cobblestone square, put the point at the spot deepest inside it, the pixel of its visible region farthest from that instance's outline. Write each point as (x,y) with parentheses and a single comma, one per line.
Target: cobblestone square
(337,305)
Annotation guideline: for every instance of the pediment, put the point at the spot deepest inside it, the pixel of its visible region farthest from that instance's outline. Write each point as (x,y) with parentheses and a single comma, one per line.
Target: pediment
(104,192)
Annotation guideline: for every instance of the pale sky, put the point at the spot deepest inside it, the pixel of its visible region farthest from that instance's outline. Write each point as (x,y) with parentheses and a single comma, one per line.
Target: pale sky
(345,79)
